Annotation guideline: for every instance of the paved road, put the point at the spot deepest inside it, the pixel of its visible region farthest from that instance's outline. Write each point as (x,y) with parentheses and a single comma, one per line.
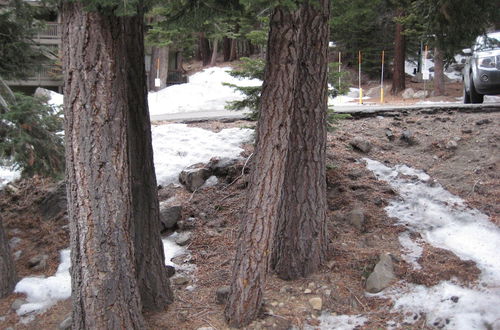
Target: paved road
(355,110)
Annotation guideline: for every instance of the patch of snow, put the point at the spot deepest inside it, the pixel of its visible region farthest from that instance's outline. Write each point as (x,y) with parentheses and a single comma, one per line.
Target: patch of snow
(446,222)
(43,292)
(352,98)
(7,174)
(177,146)
(338,322)
(55,99)
(211,181)
(413,251)
(204,91)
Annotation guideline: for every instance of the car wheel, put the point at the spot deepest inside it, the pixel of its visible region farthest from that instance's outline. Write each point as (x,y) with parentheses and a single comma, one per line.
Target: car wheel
(466,95)
(475,97)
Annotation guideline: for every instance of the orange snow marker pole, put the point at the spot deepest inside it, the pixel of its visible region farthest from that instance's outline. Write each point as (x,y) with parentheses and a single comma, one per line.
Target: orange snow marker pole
(359,79)
(382,80)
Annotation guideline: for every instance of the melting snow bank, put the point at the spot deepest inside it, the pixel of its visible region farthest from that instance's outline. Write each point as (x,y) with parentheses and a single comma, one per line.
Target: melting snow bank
(204,91)
(43,292)
(177,146)
(444,221)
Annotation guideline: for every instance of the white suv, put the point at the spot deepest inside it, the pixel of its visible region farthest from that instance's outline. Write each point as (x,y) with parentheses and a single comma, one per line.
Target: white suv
(481,74)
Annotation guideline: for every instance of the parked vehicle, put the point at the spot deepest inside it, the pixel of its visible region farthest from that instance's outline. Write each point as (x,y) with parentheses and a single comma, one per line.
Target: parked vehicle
(481,74)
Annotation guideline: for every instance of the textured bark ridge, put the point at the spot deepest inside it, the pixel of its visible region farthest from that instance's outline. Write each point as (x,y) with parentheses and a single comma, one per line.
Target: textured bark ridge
(8,277)
(438,72)
(300,241)
(256,232)
(107,131)
(398,75)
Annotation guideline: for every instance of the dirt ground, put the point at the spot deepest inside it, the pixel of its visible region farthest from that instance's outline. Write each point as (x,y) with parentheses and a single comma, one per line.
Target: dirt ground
(458,150)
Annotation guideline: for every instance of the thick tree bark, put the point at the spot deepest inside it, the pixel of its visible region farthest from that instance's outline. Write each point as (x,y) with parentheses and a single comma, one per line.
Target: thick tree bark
(154,285)
(257,228)
(8,277)
(300,242)
(158,67)
(203,48)
(398,71)
(213,60)
(439,88)
(111,224)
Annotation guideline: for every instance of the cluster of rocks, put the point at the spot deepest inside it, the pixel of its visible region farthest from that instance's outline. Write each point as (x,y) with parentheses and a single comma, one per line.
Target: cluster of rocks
(410,93)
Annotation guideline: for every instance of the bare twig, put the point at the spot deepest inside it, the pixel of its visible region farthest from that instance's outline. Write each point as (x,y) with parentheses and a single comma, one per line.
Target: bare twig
(242,172)
(355,297)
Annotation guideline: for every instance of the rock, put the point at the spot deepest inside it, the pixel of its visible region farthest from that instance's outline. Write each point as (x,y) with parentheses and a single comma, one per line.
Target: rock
(389,134)
(180,280)
(452,145)
(14,242)
(66,324)
(407,136)
(361,144)
(420,94)
(382,275)
(455,299)
(357,218)
(169,215)
(170,270)
(408,93)
(194,177)
(54,203)
(467,131)
(38,262)
(483,122)
(221,166)
(307,291)
(205,328)
(183,238)
(374,92)
(17,304)
(316,303)
(181,259)
(222,294)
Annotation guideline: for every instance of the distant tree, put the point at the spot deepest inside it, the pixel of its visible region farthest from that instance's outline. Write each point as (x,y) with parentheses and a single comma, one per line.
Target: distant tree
(366,26)
(398,66)
(117,260)
(295,69)
(8,277)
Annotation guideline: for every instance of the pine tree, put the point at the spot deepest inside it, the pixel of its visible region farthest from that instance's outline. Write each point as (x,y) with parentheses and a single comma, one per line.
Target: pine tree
(117,260)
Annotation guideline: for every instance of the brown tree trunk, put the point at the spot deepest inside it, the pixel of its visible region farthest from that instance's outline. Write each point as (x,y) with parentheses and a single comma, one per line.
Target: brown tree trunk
(204,48)
(105,115)
(213,60)
(234,50)
(154,285)
(158,67)
(438,72)
(257,228)
(398,71)
(226,48)
(300,242)
(8,277)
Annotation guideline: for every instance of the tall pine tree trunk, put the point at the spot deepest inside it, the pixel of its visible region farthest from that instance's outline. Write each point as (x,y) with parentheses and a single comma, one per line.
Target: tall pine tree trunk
(158,67)
(439,88)
(234,50)
(257,228)
(300,242)
(213,60)
(8,277)
(154,285)
(226,48)
(203,48)
(108,165)
(398,73)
